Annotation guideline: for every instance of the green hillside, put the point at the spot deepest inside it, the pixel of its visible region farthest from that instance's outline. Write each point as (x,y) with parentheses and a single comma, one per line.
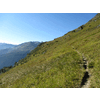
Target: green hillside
(59,63)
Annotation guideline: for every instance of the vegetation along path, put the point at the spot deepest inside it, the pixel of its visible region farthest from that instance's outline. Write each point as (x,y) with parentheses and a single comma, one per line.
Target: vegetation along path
(85,83)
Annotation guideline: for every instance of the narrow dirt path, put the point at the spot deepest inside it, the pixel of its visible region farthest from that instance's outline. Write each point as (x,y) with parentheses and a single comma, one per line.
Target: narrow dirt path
(86,78)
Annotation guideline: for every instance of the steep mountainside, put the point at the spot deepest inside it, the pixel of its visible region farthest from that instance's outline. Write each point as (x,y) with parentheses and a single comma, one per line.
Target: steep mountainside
(11,55)
(68,61)
(4,51)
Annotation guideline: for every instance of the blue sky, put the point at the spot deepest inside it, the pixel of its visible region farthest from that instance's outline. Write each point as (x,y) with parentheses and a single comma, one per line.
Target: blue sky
(16,28)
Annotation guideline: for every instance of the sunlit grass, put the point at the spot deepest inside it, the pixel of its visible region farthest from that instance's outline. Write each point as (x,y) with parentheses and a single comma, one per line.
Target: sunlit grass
(56,64)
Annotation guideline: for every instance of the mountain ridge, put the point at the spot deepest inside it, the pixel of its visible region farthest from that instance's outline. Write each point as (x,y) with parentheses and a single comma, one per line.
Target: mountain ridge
(14,54)
(5,46)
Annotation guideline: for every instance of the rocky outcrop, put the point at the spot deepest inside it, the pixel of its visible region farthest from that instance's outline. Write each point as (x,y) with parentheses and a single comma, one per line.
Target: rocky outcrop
(79,28)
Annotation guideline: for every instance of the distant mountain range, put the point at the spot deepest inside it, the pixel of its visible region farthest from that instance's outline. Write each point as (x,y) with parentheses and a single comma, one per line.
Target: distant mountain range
(5,45)
(13,53)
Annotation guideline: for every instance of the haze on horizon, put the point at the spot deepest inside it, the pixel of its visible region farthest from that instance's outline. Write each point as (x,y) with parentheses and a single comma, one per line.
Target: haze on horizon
(17,28)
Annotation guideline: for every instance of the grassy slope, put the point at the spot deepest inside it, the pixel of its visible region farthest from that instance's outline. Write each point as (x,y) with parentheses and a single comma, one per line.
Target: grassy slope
(56,64)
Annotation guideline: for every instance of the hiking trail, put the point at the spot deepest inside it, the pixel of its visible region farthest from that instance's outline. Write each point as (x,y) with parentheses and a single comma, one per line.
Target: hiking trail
(85,83)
